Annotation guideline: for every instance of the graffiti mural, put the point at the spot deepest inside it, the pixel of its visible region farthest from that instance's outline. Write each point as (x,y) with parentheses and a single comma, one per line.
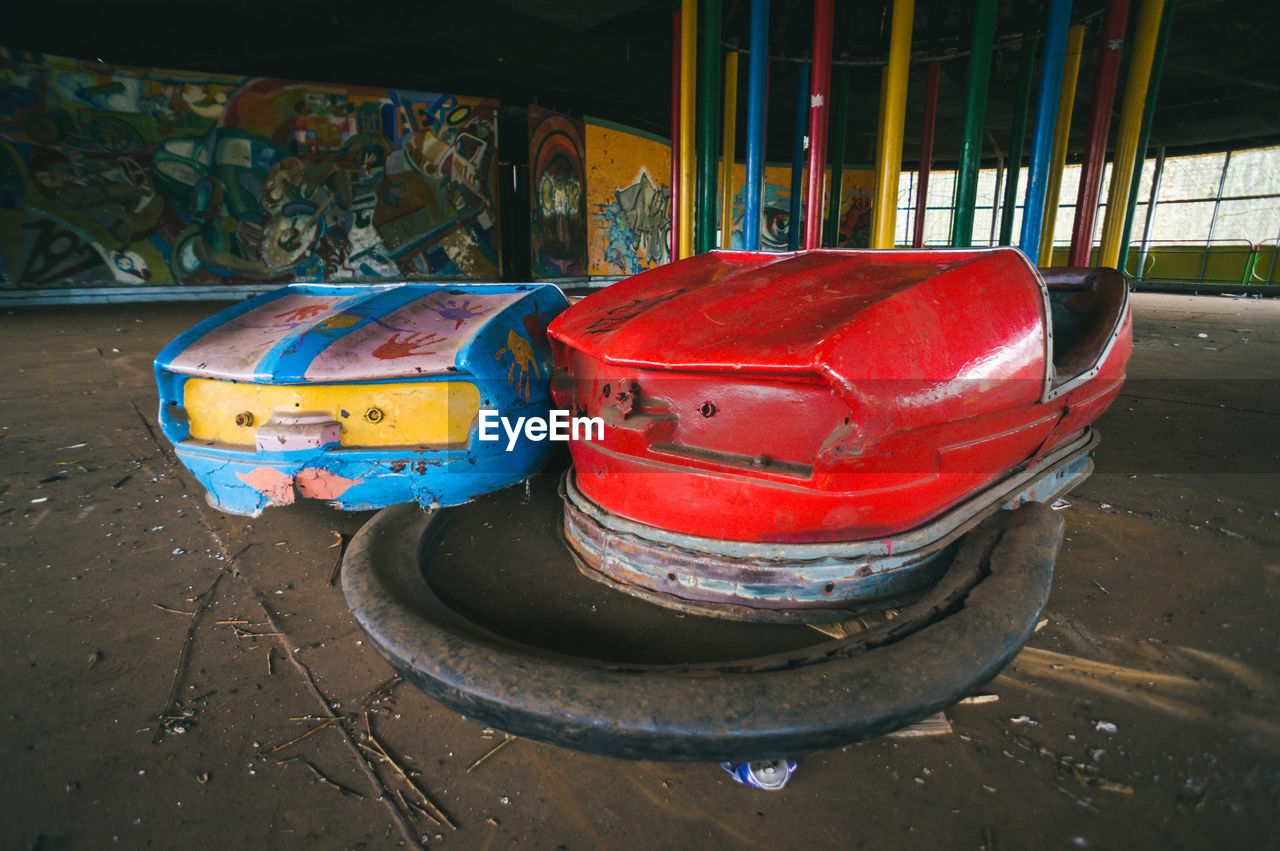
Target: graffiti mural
(628,199)
(112,175)
(557,196)
(855,208)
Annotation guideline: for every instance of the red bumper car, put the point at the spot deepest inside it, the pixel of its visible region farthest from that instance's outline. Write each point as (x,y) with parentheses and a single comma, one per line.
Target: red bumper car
(787,436)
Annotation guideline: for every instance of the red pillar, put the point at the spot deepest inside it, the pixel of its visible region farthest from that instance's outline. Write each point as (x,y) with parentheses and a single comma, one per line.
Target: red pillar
(926,150)
(1095,154)
(819,97)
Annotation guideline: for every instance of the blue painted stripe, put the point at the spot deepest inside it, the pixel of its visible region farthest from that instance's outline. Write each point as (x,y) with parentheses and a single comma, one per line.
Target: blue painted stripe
(184,340)
(287,361)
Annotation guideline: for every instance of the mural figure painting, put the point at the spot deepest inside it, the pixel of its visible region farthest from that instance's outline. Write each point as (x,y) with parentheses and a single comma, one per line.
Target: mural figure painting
(558,198)
(114,175)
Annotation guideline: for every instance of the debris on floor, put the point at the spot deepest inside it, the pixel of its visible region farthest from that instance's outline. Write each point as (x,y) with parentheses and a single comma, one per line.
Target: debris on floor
(770,775)
(934,725)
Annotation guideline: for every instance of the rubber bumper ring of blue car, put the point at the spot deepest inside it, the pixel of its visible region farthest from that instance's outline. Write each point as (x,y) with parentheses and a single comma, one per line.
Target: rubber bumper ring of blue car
(940,648)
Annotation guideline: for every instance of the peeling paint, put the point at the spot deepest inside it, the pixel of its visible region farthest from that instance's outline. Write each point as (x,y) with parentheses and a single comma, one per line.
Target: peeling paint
(276,486)
(318,483)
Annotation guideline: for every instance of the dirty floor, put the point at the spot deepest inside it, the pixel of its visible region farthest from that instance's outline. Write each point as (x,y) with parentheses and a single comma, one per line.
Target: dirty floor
(169,675)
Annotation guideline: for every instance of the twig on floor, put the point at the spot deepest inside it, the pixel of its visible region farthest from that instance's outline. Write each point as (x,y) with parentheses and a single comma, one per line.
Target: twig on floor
(499,746)
(170,704)
(321,777)
(337,564)
(314,729)
(437,813)
(380,691)
(172,611)
(402,824)
(246,633)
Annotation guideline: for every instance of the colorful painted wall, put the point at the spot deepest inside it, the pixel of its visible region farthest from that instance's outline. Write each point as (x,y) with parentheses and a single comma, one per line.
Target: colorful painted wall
(557,196)
(628,199)
(113,175)
(856,190)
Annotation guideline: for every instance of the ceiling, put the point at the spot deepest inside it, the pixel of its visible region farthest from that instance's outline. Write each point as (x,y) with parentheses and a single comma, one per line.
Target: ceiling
(1220,89)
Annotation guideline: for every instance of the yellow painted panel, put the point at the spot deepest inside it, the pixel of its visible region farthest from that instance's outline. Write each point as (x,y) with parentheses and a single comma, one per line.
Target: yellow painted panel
(430,413)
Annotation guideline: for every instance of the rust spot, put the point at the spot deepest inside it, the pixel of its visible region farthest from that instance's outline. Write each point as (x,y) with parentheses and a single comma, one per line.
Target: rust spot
(398,466)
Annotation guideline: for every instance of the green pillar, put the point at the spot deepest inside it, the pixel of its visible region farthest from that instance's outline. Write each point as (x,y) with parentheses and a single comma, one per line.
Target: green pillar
(708,124)
(984,33)
(1018,135)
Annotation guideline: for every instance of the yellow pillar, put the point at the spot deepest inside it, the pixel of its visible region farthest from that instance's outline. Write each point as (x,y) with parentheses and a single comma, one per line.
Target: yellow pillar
(688,97)
(1062,130)
(893,115)
(730,143)
(1135,97)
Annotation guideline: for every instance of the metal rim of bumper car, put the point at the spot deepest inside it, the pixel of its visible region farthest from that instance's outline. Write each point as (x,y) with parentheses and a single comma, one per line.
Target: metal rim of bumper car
(951,640)
(786,582)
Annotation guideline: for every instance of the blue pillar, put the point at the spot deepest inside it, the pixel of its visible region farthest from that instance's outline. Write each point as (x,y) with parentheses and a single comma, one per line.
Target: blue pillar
(1055,51)
(757,89)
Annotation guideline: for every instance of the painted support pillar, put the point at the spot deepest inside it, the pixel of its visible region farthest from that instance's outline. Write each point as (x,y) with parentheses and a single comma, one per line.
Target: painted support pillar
(995,197)
(839,126)
(688,81)
(984,33)
(1095,153)
(757,86)
(1152,200)
(797,157)
(730,147)
(926,149)
(708,111)
(819,104)
(1148,116)
(1061,135)
(1135,95)
(884,88)
(1021,105)
(894,113)
(674,236)
(1055,48)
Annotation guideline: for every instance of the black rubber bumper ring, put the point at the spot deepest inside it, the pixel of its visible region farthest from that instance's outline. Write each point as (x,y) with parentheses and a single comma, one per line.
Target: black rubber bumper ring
(828,695)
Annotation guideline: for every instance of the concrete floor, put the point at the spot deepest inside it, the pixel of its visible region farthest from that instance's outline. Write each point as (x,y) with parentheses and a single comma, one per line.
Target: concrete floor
(1144,714)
